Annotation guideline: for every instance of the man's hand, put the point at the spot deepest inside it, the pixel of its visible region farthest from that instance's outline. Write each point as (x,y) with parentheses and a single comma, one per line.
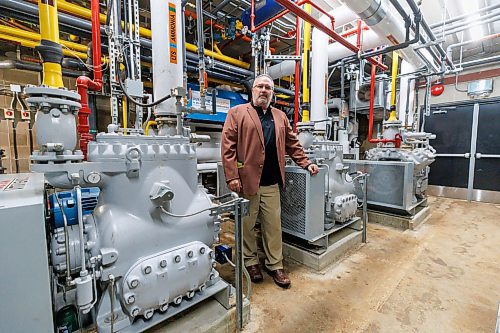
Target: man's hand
(313,169)
(235,185)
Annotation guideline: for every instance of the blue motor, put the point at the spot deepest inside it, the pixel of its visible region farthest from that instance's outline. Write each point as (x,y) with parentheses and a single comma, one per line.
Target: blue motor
(264,10)
(68,201)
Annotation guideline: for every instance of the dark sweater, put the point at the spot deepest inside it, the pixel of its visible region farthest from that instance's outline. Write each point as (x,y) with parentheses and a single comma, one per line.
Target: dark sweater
(271,170)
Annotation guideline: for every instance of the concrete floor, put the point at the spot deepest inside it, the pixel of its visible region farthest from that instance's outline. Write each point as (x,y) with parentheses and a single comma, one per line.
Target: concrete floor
(444,277)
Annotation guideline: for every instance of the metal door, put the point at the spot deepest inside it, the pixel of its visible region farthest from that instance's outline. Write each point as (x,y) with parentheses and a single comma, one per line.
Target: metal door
(487,153)
(468,150)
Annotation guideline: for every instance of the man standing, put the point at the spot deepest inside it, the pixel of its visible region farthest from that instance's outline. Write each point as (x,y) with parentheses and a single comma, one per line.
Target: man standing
(255,139)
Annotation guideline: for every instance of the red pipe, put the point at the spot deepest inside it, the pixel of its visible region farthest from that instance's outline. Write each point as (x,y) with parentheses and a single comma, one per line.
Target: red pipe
(297,75)
(316,23)
(397,140)
(83,83)
(359,32)
(353,31)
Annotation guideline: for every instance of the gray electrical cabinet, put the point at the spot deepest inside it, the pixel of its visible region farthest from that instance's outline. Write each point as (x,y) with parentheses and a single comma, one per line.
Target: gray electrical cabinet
(25,297)
(303,203)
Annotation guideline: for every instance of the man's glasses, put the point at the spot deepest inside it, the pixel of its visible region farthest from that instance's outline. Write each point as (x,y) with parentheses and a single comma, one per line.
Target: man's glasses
(264,87)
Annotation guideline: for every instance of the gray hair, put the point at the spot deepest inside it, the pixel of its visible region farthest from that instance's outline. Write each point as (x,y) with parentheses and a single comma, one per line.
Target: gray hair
(263,75)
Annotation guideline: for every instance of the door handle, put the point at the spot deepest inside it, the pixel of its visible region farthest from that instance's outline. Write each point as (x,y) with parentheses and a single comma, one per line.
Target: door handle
(466,155)
(480,155)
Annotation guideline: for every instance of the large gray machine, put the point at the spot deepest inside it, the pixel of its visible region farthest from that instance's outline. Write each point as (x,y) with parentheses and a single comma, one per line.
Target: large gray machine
(398,175)
(143,252)
(314,207)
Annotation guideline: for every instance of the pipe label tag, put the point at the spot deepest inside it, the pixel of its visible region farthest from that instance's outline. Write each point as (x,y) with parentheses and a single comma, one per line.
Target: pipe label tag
(172,32)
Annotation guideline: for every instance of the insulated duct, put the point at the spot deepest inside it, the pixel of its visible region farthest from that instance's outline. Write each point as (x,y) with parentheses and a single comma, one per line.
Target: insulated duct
(319,77)
(167,57)
(384,20)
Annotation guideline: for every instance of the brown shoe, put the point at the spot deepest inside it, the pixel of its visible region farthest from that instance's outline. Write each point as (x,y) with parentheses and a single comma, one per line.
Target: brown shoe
(255,273)
(280,278)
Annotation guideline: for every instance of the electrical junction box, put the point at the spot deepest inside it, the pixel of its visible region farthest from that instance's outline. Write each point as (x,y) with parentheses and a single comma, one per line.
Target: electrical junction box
(134,88)
(223,251)
(25,297)
(480,88)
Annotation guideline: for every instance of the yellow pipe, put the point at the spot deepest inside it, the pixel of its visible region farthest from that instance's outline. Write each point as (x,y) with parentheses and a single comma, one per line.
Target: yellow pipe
(124,114)
(394,73)
(305,64)
(219,81)
(216,48)
(85,13)
(32,44)
(151,122)
(36,37)
(49,31)
(221,57)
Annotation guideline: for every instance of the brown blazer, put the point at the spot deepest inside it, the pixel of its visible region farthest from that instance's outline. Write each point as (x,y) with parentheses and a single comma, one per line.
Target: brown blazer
(242,146)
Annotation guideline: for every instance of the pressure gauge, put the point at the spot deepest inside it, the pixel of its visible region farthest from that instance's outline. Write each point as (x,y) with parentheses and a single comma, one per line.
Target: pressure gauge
(94,177)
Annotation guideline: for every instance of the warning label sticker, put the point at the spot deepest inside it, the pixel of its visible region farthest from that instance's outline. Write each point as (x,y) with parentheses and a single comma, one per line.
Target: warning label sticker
(172,32)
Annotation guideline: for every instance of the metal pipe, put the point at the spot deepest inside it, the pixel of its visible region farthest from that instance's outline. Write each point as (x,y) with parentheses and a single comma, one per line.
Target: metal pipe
(83,83)
(15,64)
(429,33)
(71,23)
(480,62)
(220,6)
(397,140)
(305,66)
(473,24)
(201,51)
(50,49)
(479,20)
(449,49)
(297,74)
(465,16)
(80,225)
(36,37)
(365,206)
(316,23)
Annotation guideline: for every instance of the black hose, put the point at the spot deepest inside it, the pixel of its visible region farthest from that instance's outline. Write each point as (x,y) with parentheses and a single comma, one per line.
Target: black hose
(144,105)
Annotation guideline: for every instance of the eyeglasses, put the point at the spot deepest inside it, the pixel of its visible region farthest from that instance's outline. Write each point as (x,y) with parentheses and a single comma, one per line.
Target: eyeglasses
(264,87)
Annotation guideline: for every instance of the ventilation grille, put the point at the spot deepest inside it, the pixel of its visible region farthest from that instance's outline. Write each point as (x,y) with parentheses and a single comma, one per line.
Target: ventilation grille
(293,203)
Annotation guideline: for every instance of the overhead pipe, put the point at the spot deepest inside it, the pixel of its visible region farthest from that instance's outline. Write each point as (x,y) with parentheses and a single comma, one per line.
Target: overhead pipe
(465,25)
(294,8)
(83,83)
(71,23)
(33,44)
(464,16)
(488,19)
(429,33)
(16,64)
(449,49)
(480,62)
(36,37)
